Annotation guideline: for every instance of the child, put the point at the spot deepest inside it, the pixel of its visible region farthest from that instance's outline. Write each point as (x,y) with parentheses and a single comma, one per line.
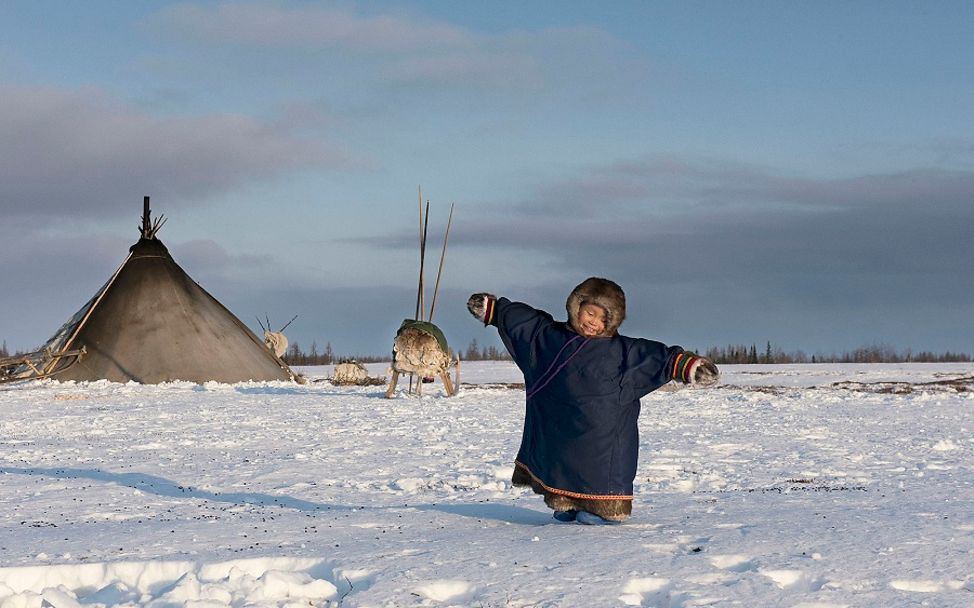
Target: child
(583,382)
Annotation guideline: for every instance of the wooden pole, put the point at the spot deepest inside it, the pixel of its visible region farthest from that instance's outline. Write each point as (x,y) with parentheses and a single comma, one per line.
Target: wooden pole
(422,264)
(146,225)
(419,291)
(456,385)
(439,273)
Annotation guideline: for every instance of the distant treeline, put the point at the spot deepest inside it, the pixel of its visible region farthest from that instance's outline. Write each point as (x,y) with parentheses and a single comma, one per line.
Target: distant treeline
(296,356)
(866,354)
(727,354)
(475,352)
(741,353)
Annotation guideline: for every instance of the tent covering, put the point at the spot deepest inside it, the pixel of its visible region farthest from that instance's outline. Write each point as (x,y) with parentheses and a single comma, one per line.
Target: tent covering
(152,323)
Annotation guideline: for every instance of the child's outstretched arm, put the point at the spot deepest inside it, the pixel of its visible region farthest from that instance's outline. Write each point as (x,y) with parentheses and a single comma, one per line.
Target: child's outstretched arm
(651,364)
(518,324)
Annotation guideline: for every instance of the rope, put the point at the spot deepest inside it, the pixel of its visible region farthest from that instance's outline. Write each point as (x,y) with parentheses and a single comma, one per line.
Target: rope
(542,381)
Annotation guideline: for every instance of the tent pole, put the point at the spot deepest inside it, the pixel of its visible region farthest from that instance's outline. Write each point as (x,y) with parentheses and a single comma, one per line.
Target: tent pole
(419,290)
(145,217)
(439,273)
(422,264)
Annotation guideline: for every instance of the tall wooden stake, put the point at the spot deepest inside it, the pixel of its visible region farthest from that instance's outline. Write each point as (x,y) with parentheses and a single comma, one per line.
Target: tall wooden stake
(422,264)
(419,291)
(439,273)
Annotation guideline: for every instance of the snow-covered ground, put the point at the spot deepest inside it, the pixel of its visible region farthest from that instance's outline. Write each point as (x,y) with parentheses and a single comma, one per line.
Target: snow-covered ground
(777,488)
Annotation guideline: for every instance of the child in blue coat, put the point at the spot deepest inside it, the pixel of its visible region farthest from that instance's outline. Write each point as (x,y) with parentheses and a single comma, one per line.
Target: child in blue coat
(583,382)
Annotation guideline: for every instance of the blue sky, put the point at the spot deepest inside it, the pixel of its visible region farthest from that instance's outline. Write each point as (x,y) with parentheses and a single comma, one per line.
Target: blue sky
(793,172)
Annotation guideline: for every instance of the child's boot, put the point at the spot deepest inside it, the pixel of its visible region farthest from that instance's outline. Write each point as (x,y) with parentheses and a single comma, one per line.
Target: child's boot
(591,519)
(566,516)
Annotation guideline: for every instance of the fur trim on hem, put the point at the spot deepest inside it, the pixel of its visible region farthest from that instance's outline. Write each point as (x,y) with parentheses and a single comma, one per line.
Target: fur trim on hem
(610,509)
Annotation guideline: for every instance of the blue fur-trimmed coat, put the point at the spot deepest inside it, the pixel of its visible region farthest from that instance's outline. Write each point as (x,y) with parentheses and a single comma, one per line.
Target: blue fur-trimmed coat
(581,438)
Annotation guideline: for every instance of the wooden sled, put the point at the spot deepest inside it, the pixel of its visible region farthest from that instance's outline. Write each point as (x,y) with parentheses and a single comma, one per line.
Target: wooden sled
(421,350)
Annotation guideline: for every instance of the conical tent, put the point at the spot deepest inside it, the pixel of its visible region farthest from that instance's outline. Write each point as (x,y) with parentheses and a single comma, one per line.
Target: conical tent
(152,323)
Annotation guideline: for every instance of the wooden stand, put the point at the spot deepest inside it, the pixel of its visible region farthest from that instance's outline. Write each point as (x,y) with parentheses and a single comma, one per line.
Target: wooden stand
(448,385)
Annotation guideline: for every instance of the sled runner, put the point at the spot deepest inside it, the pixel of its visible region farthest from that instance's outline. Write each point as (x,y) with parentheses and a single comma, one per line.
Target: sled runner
(38,364)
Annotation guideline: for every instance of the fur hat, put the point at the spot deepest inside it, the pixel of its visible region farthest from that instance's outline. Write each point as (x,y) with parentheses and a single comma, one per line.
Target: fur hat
(601,292)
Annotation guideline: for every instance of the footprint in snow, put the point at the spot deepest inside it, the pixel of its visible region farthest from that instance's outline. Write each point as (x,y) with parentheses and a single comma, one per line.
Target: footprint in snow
(734,563)
(793,579)
(664,548)
(646,591)
(742,528)
(446,591)
(352,580)
(679,544)
(712,578)
(927,586)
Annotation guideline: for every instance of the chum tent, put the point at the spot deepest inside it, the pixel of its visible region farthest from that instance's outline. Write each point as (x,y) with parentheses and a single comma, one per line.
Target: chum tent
(152,323)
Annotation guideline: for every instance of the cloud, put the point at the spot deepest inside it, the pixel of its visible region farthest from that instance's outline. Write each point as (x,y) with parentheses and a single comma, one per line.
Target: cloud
(61,149)
(674,184)
(403,49)
(310,28)
(744,235)
(504,69)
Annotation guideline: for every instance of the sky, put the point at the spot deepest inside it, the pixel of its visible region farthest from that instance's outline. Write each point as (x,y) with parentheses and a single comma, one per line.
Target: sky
(786,172)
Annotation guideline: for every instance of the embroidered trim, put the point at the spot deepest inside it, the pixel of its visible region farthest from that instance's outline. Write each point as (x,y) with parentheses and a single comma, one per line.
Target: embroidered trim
(566,492)
(489,310)
(681,366)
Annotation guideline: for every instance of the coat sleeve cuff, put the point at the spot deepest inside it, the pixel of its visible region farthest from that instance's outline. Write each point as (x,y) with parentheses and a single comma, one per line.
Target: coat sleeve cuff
(490,310)
(684,365)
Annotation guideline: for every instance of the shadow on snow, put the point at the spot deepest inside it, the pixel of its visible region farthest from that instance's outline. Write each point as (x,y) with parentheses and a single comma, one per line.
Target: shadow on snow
(163,487)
